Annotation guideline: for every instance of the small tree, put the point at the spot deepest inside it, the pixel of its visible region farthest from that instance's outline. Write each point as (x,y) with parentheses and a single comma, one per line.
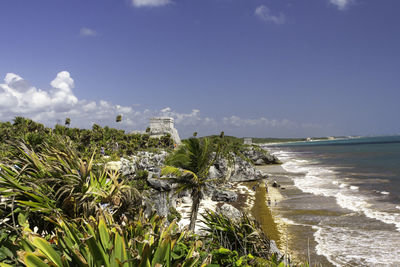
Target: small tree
(67,122)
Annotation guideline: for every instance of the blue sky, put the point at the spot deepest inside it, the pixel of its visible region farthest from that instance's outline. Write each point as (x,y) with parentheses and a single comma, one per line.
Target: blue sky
(266,68)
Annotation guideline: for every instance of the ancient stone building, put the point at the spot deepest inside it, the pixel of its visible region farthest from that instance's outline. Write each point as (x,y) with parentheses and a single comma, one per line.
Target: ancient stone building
(247,141)
(160,126)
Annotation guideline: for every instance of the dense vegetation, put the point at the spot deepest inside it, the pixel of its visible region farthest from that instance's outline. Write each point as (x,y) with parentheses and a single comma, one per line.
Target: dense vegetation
(113,141)
(61,207)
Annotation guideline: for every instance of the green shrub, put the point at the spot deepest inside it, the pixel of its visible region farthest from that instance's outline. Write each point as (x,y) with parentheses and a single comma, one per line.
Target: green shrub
(173,214)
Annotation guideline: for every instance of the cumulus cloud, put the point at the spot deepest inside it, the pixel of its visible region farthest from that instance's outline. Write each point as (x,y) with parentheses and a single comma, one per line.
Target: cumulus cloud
(86,32)
(150,3)
(264,13)
(51,106)
(341,4)
(19,97)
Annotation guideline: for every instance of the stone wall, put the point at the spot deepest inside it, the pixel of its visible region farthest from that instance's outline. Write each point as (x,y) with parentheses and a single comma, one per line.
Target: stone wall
(248,141)
(160,126)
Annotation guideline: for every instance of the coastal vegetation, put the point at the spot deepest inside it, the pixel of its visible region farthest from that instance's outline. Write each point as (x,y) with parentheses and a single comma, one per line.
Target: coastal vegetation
(190,165)
(61,206)
(114,142)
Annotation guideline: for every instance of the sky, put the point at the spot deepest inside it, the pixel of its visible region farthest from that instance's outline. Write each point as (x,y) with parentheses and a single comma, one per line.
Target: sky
(259,68)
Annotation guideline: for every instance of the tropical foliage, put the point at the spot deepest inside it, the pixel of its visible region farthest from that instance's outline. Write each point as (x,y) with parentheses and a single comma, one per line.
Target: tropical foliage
(189,167)
(59,206)
(113,141)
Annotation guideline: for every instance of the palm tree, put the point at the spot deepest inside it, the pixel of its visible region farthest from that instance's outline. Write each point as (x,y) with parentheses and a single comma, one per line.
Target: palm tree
(190,165)
(118,118)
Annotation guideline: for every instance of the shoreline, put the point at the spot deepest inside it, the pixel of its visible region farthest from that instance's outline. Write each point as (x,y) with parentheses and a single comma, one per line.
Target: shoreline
(287,235)
(256,203)
(265,204)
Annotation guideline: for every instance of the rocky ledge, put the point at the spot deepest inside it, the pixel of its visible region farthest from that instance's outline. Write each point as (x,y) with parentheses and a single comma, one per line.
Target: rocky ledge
(261,157)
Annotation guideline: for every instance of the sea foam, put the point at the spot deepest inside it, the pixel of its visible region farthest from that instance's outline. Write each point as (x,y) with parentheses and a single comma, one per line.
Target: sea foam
(368,248)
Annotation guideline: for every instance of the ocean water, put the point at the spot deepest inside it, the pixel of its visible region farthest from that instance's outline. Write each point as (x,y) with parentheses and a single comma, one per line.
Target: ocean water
(348,195)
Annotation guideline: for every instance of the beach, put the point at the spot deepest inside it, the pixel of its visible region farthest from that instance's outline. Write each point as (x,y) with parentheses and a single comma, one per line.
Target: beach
(296,239)
(335,205)
(343,197)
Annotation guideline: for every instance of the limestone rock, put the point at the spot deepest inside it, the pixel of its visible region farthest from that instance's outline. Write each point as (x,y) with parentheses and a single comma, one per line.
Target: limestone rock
(224,195)
(261,157)
(143,160)
(160,184)
(273,249)
(230,211)
(158,201)
(113,165)
(244,171)
(234,169)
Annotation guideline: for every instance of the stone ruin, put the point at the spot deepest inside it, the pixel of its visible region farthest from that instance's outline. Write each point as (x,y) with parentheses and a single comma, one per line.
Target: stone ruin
(160,126)
(248,141)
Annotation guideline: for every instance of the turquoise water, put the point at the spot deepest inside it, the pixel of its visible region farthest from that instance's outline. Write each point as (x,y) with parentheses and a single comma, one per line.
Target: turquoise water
(357,179)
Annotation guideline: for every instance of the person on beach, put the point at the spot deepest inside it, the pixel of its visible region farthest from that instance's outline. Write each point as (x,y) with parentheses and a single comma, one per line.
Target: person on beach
(269,202)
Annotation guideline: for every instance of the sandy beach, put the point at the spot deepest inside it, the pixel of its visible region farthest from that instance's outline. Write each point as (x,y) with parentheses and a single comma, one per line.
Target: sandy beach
(266,207)
(256,201)
(289,236)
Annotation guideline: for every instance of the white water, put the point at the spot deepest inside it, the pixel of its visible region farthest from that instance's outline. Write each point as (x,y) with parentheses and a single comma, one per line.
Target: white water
(346,245)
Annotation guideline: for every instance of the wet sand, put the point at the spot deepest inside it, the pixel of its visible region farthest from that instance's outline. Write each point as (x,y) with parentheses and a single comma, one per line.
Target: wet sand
(294,238)
(264,215)
(255,202)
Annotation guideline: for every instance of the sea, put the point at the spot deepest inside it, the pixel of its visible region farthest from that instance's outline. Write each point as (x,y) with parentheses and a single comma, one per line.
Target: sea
(342,199)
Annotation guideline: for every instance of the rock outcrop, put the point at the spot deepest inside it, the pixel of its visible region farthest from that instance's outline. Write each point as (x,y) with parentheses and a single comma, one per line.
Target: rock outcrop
(261,157)
(273,249)
(159,201)
(244,171)
(224,195)
(160,184)
(231,212)
(235,169)
(142,161)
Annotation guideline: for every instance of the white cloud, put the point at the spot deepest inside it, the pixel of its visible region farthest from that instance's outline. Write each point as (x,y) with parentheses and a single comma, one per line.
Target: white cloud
(192,118)
(86,32)
(240,122)
(341,4)
(19,98)
(150,3)
(265,14)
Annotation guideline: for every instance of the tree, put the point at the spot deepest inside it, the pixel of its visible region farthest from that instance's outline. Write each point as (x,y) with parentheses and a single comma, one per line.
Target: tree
(118,118)
(190,165)
(67,122)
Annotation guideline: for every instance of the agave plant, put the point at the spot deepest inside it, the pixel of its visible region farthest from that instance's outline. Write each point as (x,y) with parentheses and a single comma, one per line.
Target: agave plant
(58,182)
(102,243)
